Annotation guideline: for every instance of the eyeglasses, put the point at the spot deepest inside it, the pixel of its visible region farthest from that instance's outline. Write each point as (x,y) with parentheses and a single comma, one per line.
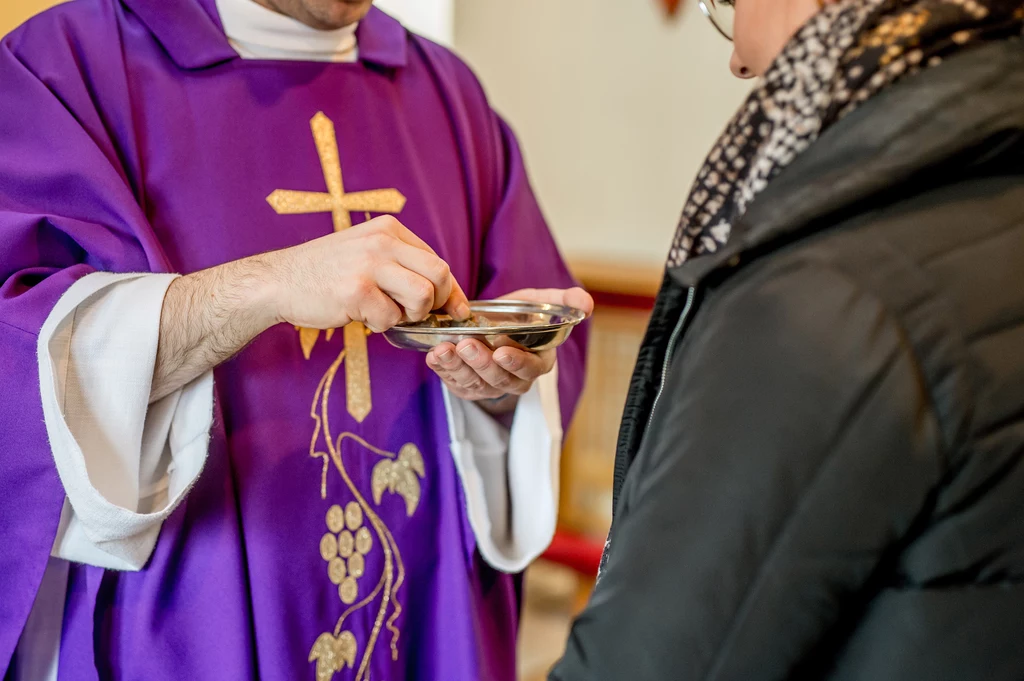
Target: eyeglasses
(720,13)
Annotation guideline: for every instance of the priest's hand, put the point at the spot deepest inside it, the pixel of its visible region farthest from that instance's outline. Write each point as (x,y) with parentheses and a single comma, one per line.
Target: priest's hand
(496,379)
(378,273)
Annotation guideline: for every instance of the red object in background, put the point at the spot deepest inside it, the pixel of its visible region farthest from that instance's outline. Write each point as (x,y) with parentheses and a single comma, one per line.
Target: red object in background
(575,552)
(671,6)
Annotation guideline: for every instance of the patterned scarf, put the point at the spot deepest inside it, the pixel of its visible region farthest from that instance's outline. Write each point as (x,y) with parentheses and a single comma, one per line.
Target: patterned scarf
(844,55)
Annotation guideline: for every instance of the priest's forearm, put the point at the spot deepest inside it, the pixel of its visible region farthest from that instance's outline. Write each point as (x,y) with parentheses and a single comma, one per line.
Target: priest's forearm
(208,317)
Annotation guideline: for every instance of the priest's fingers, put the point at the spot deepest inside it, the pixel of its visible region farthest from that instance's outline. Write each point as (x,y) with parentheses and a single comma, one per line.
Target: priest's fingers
(441,359)
(458,375)
(413,293)
(393,226)
(526,366)
(481,360)
(428,266)
(457,304)
(468,381)
(570,297)
(389,226)
(377,311)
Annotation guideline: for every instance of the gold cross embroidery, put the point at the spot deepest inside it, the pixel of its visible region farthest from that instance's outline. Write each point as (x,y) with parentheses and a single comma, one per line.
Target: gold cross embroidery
(340,205)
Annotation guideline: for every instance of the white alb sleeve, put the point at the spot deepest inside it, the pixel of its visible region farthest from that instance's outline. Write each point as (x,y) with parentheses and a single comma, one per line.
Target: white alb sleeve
(125,463)
(510,476)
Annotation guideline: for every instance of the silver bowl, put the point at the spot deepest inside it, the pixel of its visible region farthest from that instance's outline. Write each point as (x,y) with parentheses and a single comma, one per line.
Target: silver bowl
(533,327)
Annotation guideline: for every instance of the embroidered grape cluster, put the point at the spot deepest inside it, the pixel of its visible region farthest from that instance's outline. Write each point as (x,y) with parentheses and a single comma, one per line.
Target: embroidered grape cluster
(345,547)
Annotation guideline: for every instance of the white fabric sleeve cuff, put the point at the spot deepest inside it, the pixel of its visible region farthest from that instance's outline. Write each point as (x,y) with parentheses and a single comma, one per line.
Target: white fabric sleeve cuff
(125,463)
(510,477)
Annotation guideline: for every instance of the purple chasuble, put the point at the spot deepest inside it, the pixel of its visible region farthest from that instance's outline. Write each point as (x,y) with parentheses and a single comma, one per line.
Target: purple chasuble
(316,544)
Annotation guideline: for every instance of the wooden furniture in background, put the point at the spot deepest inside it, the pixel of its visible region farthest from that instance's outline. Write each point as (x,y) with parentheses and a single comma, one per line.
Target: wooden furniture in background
(624,296)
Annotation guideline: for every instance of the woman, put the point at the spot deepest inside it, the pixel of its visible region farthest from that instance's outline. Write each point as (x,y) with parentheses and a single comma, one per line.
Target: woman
(820,469)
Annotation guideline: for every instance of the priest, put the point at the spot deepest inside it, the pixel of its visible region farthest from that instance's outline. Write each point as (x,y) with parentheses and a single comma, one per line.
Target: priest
(213,466)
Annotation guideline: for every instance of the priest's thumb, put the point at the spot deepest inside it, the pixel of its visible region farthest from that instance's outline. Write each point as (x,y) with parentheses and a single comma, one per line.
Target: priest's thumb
(457,305)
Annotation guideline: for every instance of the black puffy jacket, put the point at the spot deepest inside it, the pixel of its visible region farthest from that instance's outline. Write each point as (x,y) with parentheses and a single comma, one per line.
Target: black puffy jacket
(820,473)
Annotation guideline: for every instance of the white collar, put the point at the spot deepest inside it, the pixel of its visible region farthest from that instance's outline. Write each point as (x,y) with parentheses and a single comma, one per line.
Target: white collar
(256,32)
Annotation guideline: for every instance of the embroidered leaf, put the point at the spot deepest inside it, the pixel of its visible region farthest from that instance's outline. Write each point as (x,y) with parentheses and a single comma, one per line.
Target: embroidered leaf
(410,456)
(333,654)
(383,479)
(400,476)
(347,645)
(408,488)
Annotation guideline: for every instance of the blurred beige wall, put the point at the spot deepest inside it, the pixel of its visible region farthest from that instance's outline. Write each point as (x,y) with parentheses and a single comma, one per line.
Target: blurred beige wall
(13,12)
(615,105)
(434,19)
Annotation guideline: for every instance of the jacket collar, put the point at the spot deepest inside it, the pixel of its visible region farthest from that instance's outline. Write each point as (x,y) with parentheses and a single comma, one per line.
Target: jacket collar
(914,126)
(191,33)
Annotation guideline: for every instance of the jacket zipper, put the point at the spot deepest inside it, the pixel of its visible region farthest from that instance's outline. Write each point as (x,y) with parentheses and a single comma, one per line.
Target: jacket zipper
(670,351)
